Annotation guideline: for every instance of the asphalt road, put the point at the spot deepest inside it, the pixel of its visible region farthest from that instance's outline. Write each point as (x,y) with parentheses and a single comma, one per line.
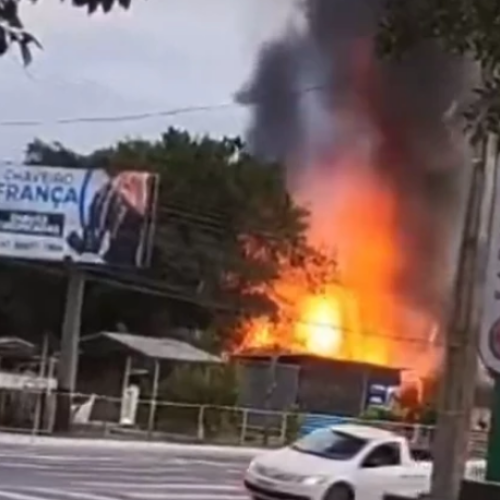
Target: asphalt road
(50,473)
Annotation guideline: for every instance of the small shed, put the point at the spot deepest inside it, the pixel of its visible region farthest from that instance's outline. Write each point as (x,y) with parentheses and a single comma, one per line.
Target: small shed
(110,361)
(16,349)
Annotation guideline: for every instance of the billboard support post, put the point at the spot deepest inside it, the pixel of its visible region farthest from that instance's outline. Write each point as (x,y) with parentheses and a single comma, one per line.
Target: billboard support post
(68,362)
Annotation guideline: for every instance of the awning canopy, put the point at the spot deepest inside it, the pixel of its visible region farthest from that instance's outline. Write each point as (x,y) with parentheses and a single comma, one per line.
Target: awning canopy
(15,347)
(150,347)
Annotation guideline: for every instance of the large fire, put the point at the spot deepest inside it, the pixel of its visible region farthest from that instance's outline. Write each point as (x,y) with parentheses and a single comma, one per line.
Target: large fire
(347,306)
(357,310)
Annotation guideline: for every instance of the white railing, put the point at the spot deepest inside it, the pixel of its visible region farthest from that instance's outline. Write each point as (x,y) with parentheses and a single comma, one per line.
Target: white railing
(189,422)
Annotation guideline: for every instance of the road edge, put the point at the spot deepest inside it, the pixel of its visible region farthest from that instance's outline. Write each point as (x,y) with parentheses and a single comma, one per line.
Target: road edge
(109,444)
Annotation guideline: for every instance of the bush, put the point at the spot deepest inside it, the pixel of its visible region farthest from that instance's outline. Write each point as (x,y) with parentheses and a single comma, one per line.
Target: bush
(201,385)
(294,421)
(379,413)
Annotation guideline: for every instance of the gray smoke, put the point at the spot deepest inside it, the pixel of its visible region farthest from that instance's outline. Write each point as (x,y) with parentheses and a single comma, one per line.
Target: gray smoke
(304,88)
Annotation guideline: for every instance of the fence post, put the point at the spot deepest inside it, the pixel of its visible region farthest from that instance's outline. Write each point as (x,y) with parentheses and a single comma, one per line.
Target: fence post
(201,423)
(284,427)
(244,425)
(417,434)
(154,396)
(50,396)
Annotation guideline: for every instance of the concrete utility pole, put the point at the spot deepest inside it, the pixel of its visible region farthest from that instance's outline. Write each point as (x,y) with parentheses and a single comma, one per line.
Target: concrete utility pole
(489,345)
(460,364)
(68,358)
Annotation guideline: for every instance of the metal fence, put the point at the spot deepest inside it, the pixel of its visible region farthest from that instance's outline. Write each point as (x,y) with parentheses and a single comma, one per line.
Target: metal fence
(32,411)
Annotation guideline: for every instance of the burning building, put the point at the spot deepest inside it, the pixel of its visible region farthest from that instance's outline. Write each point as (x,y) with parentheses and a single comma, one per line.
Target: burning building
(311,383)
(371,150)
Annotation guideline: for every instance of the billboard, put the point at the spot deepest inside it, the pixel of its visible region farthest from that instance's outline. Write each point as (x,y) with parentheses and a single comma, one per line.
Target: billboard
(87,215)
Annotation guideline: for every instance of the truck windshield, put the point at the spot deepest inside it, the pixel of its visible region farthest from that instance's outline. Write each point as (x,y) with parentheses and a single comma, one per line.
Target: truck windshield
(331,444)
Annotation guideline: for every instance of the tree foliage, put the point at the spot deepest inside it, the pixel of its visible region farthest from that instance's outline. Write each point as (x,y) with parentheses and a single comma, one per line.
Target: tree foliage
(210,385)
(13,32)
(213,201)
(462,27)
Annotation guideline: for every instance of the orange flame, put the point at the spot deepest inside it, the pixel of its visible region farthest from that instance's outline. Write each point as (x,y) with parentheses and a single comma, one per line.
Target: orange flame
(355,312)
(352,311)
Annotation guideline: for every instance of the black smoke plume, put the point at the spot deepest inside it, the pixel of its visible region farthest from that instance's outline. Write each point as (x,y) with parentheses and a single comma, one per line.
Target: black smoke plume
(308,83)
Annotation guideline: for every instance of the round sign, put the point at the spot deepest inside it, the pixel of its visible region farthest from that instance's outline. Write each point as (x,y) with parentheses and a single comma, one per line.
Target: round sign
(494,339)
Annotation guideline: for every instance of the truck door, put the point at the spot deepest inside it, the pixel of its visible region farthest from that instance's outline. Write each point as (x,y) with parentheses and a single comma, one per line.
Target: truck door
(380,471)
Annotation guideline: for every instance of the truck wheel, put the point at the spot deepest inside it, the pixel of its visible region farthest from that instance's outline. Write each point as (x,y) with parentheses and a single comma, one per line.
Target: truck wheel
(339,492)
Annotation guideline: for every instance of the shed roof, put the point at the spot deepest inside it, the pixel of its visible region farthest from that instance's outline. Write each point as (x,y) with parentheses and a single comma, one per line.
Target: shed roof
(159,348)
(16,347)
(298,358)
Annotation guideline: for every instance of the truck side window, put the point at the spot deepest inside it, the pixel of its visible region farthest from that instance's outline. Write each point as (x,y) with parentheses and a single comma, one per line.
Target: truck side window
(385,455)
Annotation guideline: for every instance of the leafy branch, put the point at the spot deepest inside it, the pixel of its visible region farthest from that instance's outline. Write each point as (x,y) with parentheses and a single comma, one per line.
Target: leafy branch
(463,28)
(12,31)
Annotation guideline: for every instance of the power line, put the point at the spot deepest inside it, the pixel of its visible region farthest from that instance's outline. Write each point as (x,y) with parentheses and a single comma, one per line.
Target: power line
(363,334)
(117,118)
(367,334)
(133,117)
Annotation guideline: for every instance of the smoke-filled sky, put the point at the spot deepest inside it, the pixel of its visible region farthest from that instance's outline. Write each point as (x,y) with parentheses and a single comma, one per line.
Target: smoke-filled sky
(161,54)
(345,122)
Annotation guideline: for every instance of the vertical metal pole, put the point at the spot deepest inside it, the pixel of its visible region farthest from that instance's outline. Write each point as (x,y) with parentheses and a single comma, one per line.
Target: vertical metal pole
(41,375)
(50,408)
(126,375)
(364,403)
(244,425)
(201,423)
(125,383)
(460,365)
(284,428)
(68,361)
(271,387)
(154,395)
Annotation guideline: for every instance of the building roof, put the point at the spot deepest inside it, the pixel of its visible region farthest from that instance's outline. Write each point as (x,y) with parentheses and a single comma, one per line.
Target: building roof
(152,347)
(16,347)
(299,358)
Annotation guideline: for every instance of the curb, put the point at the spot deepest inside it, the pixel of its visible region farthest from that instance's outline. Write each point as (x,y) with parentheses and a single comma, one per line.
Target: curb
(110,444)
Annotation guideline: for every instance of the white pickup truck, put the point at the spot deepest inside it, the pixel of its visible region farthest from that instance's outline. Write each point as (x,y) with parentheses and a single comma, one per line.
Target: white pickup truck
(343,462)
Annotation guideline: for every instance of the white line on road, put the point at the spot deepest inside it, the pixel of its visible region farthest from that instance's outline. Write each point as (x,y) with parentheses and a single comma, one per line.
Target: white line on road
(61,458)
(149,474)
(79,495)
(50,443)
(10,495)
(159,486)
(16,495)
(114,472)
(17,465)
(186,496)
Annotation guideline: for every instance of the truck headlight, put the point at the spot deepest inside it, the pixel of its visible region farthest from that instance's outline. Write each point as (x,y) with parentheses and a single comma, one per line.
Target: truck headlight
(251,466)
(313,480)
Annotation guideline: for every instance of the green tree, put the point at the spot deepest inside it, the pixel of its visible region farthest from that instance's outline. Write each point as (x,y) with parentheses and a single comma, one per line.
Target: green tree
(223,222)
(13,32)
(461,27)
